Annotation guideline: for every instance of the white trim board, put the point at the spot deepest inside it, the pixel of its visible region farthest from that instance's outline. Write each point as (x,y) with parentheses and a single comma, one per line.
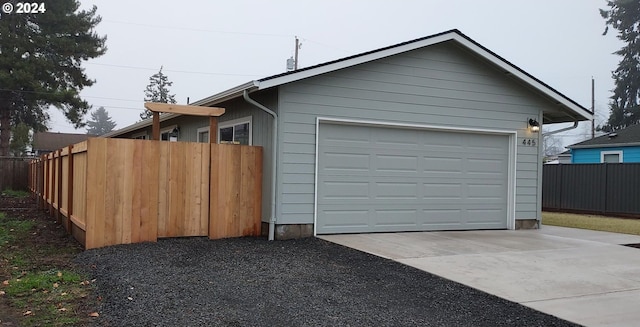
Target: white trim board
(511,175)
(620,154)
(203,130)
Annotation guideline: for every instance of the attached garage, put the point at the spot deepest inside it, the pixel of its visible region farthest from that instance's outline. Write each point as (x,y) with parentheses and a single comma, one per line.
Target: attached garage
(375,178)
(436,133)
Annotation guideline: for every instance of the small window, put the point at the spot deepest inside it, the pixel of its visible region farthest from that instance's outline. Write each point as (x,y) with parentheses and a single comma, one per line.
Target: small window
(236,131)
(140,136)
(611,157)
(203,134)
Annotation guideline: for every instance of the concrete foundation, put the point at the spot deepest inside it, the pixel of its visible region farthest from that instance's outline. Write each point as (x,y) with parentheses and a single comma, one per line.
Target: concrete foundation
(527,224)
(287,232)
(292,231)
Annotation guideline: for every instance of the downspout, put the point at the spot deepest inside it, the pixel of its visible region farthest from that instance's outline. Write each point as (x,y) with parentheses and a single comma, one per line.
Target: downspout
(272,219)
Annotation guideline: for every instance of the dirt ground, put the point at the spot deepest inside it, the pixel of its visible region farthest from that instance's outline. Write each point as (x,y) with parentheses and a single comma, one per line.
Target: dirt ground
(46,234)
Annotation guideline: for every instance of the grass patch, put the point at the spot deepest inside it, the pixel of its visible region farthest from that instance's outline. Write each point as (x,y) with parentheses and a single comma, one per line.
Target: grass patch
(600,223)
(36,277)
(15,194)
(48,298)
(12,229)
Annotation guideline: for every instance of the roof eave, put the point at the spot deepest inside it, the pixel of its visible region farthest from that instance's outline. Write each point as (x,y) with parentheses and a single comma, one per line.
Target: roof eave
(227,95)
(216,98)
(576,111)
(138,125)
(612,145)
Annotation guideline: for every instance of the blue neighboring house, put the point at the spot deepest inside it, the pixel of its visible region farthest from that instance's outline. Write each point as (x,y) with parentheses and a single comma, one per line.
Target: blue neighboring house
(617,147)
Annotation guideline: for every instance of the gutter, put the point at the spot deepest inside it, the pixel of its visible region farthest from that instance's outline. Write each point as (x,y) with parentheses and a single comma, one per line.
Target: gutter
(575,125)
(274,161)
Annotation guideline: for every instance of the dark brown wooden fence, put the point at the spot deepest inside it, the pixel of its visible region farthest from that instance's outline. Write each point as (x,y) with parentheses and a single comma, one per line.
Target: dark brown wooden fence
(607,189)
(119,191)
(14,173)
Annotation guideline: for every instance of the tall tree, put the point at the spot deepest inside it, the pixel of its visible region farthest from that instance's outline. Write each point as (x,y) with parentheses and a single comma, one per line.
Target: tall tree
(157,91)
(40,64)
(100,122)
(551,145)
(20,140)
(624,16)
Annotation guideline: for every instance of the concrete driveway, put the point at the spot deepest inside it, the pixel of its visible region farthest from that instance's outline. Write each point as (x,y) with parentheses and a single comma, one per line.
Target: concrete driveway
(582,276)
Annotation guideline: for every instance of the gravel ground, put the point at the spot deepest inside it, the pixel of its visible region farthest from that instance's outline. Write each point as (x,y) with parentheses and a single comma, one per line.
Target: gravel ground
(307,282)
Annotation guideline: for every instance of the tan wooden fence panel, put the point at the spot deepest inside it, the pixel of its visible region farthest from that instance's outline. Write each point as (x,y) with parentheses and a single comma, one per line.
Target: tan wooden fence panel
(183,189)
(79,205)
(236,185)
(121,197)
(120,191)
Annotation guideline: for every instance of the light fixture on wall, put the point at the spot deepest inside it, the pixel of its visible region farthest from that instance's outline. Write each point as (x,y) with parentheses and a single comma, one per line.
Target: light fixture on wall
(173,136)
(534,125)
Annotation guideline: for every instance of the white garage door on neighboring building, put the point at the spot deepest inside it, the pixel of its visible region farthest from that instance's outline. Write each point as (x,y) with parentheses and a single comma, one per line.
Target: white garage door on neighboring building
(383,179)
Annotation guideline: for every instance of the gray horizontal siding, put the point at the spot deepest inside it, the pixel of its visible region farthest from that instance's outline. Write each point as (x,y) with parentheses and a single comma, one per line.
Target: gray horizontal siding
(441,85)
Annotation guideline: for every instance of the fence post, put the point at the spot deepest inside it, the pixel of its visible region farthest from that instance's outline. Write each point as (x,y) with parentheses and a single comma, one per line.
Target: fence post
(59,190)
(45,159)
(605,188)
(70,189)
(40,183)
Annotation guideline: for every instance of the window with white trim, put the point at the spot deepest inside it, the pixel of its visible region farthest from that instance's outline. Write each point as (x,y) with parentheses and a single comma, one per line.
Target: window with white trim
(237,131)
(140,136)
(611,157)
(203,134)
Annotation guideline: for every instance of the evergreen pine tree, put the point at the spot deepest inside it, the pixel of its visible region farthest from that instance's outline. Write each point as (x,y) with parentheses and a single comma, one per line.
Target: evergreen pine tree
(624,16)
(100,122)
(20,140)
(157,91)
(41,58)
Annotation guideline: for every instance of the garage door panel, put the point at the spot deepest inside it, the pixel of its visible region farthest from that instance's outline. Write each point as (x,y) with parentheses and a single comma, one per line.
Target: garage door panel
(485,165)
(389,137)
(485,192)
(342,162)
(409,180)
(441,191)
(347,217)
(442,164)
(395,217)
(395,190)
(396,163)
(346,190)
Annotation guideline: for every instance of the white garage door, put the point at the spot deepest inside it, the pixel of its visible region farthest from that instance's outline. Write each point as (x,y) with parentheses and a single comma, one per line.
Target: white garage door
(380,179)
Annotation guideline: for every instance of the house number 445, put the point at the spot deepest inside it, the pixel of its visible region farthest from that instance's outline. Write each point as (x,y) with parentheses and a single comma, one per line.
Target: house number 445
(529,142)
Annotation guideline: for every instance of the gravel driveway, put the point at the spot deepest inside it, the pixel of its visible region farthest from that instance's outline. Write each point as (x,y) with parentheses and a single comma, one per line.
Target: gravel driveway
(307,282)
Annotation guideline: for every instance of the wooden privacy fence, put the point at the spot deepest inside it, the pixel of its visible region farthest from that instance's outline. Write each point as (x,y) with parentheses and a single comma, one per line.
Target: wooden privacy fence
(608,189)
(119,191)
(14,173)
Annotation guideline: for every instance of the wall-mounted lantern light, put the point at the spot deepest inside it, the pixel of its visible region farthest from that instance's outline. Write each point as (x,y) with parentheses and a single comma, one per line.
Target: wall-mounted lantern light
(534,126)
(173,136)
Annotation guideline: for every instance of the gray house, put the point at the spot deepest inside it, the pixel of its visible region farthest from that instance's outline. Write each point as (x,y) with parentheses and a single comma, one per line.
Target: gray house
(437,133)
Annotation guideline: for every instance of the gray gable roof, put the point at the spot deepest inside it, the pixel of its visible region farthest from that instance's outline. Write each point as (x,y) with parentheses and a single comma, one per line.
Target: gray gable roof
(629,136)
(565,110)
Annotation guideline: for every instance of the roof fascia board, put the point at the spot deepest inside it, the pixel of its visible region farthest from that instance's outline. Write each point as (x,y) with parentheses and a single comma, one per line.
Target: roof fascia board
(502,63)
(614,145)
(353,61)
(226,95)
(452,35)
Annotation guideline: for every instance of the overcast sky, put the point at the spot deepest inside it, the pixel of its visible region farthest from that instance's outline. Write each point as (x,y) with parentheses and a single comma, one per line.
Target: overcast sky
(209,46)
